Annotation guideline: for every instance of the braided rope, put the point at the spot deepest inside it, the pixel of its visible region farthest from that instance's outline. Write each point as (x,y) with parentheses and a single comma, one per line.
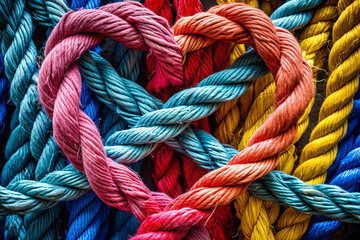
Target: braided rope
(277,187)
(320,152)
(19,55)
(48,97)
(89,216)
(314,46)
(343,173)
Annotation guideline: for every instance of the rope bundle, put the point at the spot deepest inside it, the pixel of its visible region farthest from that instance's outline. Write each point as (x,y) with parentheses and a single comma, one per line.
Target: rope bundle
(86,153)
(136,123)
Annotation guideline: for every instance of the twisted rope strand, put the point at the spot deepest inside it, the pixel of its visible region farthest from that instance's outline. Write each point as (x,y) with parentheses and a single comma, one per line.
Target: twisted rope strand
(320,152)
(68,184)
(344,173)
(3,92)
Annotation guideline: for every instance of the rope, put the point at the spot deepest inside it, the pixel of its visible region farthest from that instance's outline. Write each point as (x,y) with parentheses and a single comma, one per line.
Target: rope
(167,165)
(313,42)
(3,92)
(318,155)
(17,23)
(343,173)
(108,169)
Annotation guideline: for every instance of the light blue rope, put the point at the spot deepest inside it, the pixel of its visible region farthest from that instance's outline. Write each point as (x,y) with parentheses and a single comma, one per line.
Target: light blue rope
(344,172)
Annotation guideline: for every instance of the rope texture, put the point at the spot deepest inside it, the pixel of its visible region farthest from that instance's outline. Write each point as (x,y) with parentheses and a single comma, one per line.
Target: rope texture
(313,42)
(343,173)
(3,92)
(143,203)
(88,160)
(20,53)
(318,155)
(167,165)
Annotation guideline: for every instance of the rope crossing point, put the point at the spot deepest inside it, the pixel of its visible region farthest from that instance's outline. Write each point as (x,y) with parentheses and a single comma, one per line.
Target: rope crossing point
(89,163)
(136,120)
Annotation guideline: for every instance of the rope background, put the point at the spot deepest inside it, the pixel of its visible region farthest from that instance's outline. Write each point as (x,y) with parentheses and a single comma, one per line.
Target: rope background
(108,52)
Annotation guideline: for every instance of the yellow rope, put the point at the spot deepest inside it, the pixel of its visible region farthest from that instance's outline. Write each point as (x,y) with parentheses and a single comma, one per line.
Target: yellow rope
(318,155)
(313,42)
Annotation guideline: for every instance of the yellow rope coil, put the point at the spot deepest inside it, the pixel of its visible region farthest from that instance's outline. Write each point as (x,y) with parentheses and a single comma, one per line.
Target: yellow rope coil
(318,155)
(314,43)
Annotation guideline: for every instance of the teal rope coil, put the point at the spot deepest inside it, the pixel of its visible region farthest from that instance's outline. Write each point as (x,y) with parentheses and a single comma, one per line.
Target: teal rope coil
(19,55)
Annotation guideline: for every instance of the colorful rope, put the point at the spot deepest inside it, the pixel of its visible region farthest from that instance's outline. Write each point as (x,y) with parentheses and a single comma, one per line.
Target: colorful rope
(344,173)
(134,122)
(48,101)
(318,155)
(314,47)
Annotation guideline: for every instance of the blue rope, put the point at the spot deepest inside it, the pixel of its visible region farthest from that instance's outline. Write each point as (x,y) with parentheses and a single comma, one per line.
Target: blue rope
(3,92)
(344,172)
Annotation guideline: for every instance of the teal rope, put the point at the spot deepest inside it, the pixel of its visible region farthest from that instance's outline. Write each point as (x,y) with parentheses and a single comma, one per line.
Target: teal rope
(278,187)
(19,53)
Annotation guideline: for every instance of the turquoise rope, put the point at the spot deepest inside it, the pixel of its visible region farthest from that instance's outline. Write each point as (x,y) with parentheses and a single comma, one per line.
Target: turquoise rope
(19,55)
